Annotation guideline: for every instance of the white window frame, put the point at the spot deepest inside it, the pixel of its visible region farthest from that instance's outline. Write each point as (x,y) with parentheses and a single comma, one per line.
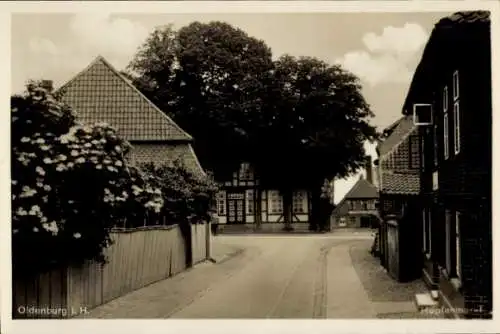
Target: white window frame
(446,140)
(221,203)
(456,126)
(445,99)
(424,228)
(458,263)
(456,85)
(250,202)
(429,224)
(448,237)
(298,203)
(276,202)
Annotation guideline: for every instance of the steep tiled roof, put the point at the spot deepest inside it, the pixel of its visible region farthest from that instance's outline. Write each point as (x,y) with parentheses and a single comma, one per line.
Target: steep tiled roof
(101,94)
(400,183)
(478,16)
(362,189)
(426,69)
(397,133)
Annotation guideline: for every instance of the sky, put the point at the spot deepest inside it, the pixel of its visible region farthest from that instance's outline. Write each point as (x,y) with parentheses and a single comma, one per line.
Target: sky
(382,49)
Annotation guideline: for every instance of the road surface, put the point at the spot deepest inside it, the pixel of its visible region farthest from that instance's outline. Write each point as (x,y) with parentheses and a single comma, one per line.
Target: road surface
(305,276)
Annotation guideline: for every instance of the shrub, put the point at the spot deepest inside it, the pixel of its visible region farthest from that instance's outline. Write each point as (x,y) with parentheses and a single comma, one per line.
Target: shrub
(188,198)
(70,184)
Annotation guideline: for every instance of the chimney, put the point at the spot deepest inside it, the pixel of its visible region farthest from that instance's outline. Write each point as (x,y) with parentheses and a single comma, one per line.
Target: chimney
(47,85)
(368,168)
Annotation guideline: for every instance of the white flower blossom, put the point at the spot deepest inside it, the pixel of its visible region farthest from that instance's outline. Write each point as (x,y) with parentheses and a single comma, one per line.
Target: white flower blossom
(77,235)
(60,168)
(80,160)
(106,161)
(21,212)
(87,145)
(43,219)
(51,227)
(27,192)
(39,184)
(15,231)
(47,187)
(70,164)
(118,149)
(45,147)
(62,157)
(40,141)
(14,182)
(98,166)
(118,163)
(40,170)
(48,161)
(35,229)
(74,153)
(25,139)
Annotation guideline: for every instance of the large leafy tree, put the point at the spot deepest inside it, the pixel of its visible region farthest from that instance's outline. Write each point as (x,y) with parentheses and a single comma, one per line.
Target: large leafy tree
(316,126)
(209,78)
(299,121)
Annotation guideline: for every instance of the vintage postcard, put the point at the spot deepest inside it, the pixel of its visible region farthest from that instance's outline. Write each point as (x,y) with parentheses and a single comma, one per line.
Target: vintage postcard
(249,161)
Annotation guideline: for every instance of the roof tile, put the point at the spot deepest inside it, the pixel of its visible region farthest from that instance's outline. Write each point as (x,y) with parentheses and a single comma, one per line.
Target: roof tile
(101,94)
(400,183)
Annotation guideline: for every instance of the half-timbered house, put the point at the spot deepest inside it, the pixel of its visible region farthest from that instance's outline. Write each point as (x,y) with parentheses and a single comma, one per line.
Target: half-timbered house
(243,204)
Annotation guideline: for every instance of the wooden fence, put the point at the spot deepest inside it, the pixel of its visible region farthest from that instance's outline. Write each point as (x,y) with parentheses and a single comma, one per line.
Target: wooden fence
(137,258)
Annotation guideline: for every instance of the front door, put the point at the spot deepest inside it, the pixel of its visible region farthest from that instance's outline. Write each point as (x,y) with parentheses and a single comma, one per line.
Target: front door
(236,208)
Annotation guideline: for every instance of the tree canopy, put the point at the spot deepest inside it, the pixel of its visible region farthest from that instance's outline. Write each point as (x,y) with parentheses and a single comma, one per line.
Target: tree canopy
(298,121)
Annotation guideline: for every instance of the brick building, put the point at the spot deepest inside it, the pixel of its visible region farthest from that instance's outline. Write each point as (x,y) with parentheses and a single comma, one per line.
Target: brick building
(399,179)
(450,96)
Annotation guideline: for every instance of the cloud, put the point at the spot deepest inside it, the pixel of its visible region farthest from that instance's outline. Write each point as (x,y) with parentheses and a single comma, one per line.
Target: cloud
(387,57)
(43,45)
(117,39)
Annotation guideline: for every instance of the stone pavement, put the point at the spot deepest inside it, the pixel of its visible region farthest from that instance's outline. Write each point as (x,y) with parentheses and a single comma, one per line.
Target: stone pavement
(327,276)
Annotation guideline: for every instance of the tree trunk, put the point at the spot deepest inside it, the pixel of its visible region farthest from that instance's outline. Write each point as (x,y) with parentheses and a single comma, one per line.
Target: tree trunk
(258,208)
(287,208)
(314,217)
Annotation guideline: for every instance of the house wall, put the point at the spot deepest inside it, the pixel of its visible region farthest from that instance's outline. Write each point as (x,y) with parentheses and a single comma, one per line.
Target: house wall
(271,207)
(463,180)
(164,153)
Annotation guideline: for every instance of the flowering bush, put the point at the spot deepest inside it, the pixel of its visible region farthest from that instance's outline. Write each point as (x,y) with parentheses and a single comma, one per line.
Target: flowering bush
(188,197)
(70,184)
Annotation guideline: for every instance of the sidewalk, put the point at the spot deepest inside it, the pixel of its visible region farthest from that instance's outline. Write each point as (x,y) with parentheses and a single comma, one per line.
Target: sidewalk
(163,298)
(388,298)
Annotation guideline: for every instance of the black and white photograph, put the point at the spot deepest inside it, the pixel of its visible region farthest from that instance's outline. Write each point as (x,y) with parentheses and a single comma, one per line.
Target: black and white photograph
(255,164)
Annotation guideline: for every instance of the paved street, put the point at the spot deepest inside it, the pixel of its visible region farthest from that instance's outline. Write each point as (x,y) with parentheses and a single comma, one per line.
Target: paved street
(308,276)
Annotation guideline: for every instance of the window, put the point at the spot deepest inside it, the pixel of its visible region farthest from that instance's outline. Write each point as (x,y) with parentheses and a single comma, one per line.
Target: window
(422,161)
(245,172)
(264,201)
(448,241)
(456,126)
(436,160)
(414,153)
(351,205)
(221,203)
(276,202)
(425,244)
(427,227)
(352,220)
(458,263)
(299,202)
(250,202)
(445,137)
(456,88)
(445,99)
